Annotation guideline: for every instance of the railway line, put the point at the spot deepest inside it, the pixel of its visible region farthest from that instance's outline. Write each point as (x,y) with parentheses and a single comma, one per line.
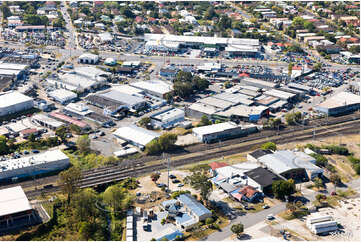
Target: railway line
(116,173)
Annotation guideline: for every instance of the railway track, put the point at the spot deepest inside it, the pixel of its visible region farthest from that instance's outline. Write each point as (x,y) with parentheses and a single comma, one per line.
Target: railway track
(102,175)
(113,174)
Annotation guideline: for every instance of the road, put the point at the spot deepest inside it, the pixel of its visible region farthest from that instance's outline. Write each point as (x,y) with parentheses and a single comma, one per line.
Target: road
(247,220)
(254,218)
(71,41)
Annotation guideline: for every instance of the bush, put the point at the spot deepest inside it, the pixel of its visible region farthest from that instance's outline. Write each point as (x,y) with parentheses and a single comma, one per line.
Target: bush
(176,194)
(320,160)
(335,149)
(269,146)
(330,167)
(209,220)
(355,164)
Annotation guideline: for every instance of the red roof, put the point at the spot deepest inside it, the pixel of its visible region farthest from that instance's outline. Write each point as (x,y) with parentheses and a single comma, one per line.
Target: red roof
(172,20)
(28,131)
(270,43)
(237,196)
(138,19)
(313,20)
(353,39)
(297,68)
(152,19)
(248,191)
(280,44)
(243,74)
(216,165)
(68,119)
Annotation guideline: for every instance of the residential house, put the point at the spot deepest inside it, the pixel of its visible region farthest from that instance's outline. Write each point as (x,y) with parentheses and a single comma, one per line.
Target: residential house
(248,194)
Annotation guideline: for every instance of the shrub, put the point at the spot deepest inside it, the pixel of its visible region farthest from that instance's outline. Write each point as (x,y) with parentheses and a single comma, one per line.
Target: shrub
(335,149)
(209,220)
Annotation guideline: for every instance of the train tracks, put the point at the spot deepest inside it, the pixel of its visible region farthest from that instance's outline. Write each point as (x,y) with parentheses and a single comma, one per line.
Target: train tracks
(104,175)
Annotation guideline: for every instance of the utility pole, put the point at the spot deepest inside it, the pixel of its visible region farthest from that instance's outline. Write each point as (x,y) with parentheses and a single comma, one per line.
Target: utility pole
(168,173)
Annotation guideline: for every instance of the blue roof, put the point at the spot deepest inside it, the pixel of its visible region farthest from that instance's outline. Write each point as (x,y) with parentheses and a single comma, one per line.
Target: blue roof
(183,218)
(171,236)
(236,191)
(169,202)
(193,205)
(218,180)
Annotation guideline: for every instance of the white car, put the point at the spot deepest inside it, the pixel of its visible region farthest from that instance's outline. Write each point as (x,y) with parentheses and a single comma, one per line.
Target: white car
(270,217)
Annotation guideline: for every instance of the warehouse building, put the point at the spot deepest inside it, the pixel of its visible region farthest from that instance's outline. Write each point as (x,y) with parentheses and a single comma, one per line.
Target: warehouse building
(135,135)
(69,120)
(109,106)
(15,209)
(162,46)
(167,118)
(81,79)
(222,131)
(266,100)
(307,89)
(132,102)
(155,87)
(197,110)
(215,102)
(341,103)
(13,102)
(127,89)
(263,179)
(49,161)
(253,156)
(88,58)
(62,96)
(77,109)
(250,93)
(46,121)
(258,83)
(285,96)
(242,51)
(296,165)
(244,113)
(235,98)
(13,70)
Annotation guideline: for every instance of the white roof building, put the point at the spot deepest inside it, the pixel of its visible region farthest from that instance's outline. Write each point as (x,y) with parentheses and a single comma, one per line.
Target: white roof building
(62,95)
(154,87)
(13,101)
(279,94)
(46,162)
(105,37)
(88,58)
(127,89)
(137,136)
(13,200)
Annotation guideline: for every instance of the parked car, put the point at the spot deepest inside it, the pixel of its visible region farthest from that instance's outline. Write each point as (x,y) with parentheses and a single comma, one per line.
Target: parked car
(270,217)
(172,176)
(180,185)
(35,151)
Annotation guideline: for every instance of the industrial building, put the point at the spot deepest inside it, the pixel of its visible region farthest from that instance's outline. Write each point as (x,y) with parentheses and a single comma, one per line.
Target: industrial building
(88,58)
(258,83)
(197,110)
(242,51)
(215,102)
(285,96)
(235,98)
(263,179)
(81,79)
(69,120)
(266,100)
(321,224)
(13,70)
(128,89)
(13,102)
(307,89)
(46,121)
(222,131)
(253,156)
(289,164)
(340,103)
(167,118)
(132,102)
(49,161)
(62,96)
(135,135)
(244,113)
(155,87)
(77,109)
(15,209)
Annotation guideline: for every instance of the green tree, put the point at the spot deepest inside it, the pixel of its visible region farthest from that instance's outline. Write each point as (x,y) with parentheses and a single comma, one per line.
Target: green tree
(183,76)
(4,148)
(118,198)
(69,180)
(61,133)
(200,181)
(32,138)
(167,141)
(318,183)
(6,11)
(274,123)
(210,13)
(335,179)
(317,66)
(83,144)
(282,188)
(293,118)
(204,121)
(237,229)
(269,146)
(209,221)
(290,66)
(128,13)
(84,204)
(144,121)
(355,49)
(153,147)
(183,89)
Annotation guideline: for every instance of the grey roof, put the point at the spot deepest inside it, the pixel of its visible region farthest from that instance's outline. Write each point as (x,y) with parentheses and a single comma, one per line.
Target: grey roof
(258,153)
(123,97)
(262,176)
(285,160)
(227,187)
(193,205)
(234,98)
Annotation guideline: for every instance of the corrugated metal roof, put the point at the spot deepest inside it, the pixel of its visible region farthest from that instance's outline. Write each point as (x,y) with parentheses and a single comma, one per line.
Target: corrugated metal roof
(193,205)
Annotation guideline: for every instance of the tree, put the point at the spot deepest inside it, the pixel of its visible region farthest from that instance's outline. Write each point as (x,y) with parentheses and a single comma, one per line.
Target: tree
(155,177)
(274,122)
(68,181)
(83,144)
(318,183)
(84,204)
(117,198)
(61,132)
(204,121)
(153,147)
(209,221)
(167,141)
(317,66)
(200,181)
(293,118)
(144,121)
(210,13)
(237,229)
(335,179)
(4,148)
(183,89)
(269,146)
(128,13)
(32,138)
(290,66)
(6,11)
(291,207)
(282,188)
(355,49)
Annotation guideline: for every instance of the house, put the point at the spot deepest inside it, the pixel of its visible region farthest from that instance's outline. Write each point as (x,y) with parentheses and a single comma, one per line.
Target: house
(195,209)
(215,165)
(264,178)
(247,194)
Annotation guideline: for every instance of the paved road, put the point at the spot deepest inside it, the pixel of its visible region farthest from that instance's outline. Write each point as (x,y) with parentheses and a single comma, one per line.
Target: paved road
(247,220)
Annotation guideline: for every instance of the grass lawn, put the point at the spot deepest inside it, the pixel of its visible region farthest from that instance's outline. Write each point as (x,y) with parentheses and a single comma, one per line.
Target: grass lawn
(48,208)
